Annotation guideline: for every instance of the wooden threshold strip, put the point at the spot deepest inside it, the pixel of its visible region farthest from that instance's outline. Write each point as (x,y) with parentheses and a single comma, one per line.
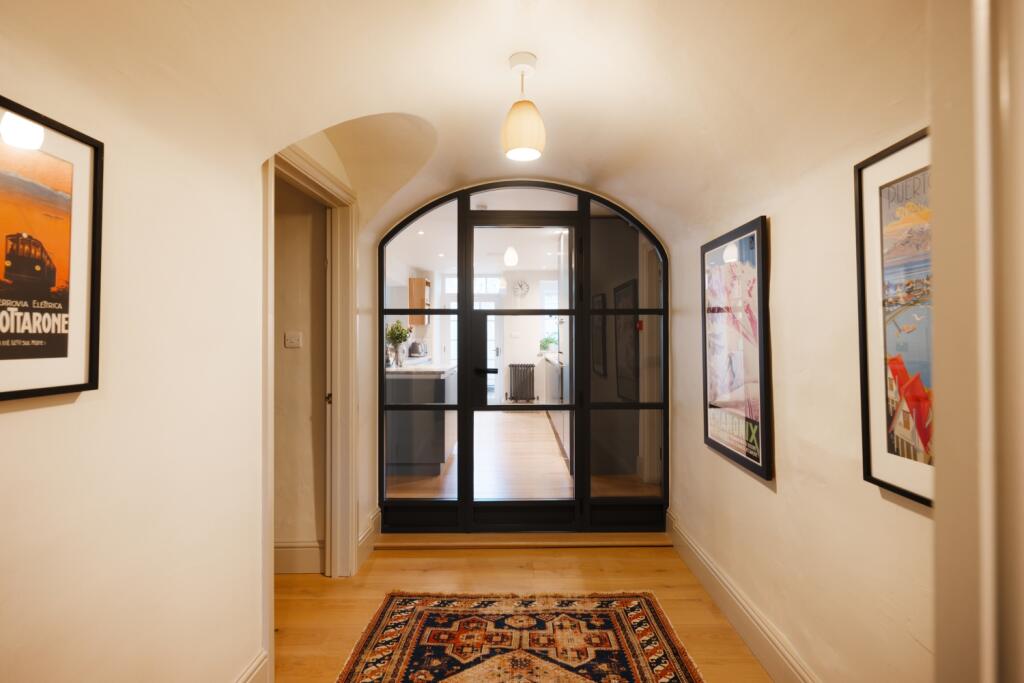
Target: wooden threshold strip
(430,541)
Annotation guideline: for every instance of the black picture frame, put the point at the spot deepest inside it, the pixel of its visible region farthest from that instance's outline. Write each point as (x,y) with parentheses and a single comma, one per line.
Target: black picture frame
(599,336)
(93,257)
(862,315)
(764,467)
(627,343)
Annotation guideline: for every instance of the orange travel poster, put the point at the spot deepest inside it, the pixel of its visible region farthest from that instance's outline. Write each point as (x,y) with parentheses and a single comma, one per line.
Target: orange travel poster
(35,199)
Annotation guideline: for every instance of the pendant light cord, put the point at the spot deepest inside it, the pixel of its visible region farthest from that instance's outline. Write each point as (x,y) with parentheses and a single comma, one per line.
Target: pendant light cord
(522,84)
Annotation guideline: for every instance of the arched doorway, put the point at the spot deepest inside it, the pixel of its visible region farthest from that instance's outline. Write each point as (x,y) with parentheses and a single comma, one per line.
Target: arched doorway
(523,364)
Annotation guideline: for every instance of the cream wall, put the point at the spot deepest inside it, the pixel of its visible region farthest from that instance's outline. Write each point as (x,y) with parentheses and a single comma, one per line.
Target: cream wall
(319,148)
(130,515)
(841,569)
(367,351)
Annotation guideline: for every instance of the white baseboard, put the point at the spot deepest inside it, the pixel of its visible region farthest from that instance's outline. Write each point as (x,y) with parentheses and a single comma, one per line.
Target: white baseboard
(776,654)
(258,670)
(298,557)
(367,540)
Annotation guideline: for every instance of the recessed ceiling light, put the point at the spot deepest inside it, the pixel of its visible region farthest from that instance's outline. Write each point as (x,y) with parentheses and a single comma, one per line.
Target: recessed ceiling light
(441,255)
(420,232)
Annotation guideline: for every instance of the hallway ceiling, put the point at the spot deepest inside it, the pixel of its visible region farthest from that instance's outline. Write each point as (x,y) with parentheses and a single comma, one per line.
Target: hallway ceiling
(663,106)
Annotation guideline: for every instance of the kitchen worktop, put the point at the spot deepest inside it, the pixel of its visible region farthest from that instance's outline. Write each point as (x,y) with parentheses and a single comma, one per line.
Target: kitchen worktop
(423,368)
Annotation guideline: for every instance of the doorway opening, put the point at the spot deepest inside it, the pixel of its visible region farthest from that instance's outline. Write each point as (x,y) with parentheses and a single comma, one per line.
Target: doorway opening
(301,379)
(523,365)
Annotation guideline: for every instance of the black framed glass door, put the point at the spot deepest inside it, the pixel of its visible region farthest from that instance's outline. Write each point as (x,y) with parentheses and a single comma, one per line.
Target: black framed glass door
(523,378)
(520,455)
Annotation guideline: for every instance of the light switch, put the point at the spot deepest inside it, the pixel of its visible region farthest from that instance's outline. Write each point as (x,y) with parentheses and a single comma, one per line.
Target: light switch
(293,340)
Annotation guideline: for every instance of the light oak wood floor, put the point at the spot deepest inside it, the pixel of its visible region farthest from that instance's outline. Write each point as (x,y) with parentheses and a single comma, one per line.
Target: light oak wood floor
(517,457)
(319,620)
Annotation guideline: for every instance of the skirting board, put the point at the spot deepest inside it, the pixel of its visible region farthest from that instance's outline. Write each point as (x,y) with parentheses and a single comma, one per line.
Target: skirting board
(298,557)
(367,540)
(258,670)
(769,645)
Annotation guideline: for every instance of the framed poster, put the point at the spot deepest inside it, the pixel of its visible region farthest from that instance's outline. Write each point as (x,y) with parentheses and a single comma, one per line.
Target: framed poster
(599,336)
(894,276)
(50,205)
(737,380)
(627,343)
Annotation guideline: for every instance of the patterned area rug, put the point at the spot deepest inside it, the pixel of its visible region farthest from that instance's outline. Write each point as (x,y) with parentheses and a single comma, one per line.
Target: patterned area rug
(612,638)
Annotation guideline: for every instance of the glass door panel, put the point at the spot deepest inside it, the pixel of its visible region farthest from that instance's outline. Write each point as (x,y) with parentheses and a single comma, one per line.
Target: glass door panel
(421,454)
(522,455)
(522,359)
(626,453)
(522,346)
(523,267)
(626,358)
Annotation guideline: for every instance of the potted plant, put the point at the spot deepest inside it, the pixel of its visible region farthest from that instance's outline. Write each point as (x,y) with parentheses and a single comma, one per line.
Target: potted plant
(548,341)
(397,334)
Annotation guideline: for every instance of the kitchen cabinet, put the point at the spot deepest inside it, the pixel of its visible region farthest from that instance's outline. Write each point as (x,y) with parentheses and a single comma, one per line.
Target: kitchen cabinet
(419,297)
(415,441)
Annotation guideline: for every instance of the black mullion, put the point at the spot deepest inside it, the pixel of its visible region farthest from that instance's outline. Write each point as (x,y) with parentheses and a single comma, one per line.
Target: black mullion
(522,219)
(627,405)
(628,311)
(664,373)
(524,407)
(526,311)
(420,311)
(465,322)
(390,407)
(581,357)
(381,471)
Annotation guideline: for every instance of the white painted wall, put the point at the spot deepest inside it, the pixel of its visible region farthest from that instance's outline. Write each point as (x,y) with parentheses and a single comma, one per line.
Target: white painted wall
(319,148)
(843,570)
(130,516)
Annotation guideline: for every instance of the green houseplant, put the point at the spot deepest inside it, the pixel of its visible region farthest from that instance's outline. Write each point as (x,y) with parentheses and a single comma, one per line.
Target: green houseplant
(548,341)
(395,335)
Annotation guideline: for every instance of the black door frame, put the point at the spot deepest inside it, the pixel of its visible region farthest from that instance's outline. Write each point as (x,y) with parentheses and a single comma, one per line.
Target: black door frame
(583,513)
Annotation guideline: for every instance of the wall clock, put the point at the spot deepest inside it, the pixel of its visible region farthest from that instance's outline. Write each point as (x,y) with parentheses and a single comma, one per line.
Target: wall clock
(520,288)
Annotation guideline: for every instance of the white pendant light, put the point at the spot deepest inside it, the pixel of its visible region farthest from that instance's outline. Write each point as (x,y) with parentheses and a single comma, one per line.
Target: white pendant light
(522,135)
(19,132)
(511,257)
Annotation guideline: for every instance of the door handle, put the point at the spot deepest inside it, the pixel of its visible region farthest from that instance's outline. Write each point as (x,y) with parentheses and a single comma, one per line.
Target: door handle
(487,371)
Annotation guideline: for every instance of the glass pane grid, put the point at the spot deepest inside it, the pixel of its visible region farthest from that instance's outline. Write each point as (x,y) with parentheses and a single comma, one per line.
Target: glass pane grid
(523,455)
(626,358)
(420,358)
(524,268)
(528,297)
(627,454)
(421,454)
(530,358)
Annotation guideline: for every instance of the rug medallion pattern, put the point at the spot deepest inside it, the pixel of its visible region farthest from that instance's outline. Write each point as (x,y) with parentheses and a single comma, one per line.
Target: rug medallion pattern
(609,638)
